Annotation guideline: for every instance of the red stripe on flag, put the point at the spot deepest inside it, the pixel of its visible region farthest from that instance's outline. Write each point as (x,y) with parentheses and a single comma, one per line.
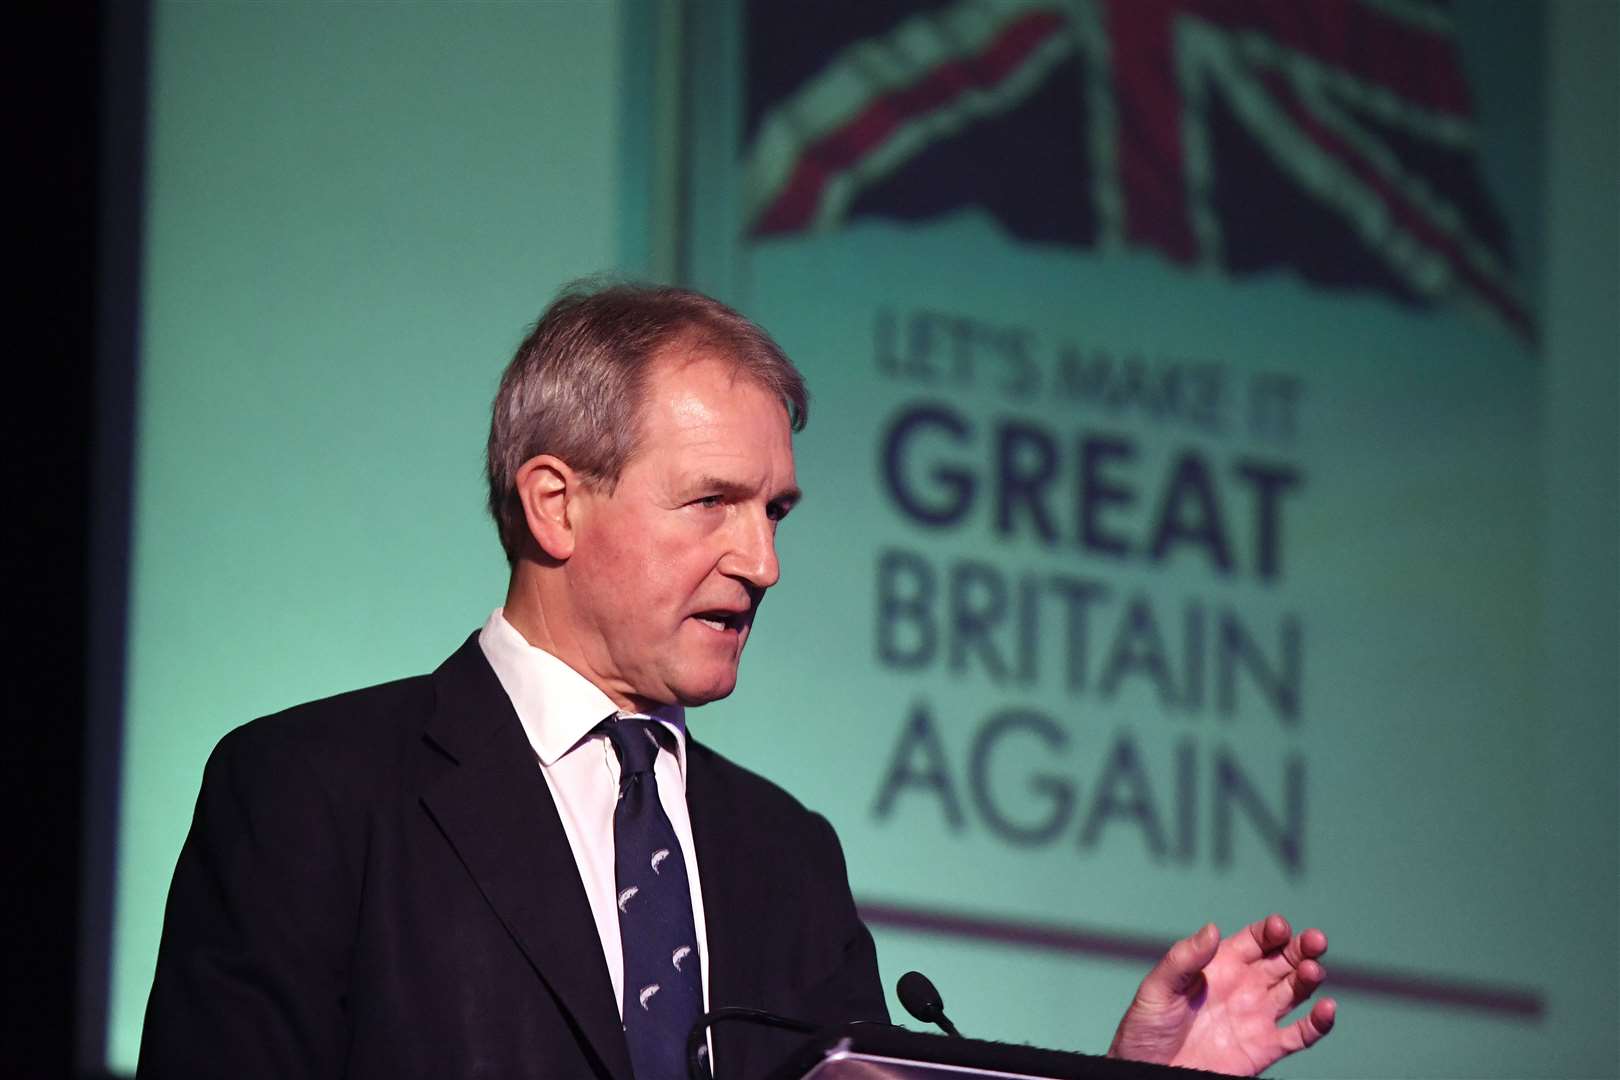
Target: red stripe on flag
(795,208)
(1419,65)
(1152,174)
(1401,210)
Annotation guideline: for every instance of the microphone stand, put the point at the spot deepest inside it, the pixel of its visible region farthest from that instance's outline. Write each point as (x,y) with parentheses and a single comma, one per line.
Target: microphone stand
(695,1067)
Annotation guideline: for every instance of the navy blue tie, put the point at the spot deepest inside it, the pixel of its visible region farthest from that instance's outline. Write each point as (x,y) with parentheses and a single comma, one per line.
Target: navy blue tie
(663,983)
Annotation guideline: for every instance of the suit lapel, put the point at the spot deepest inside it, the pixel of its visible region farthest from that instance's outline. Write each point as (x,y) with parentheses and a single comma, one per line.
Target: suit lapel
(729,906)
(498,814)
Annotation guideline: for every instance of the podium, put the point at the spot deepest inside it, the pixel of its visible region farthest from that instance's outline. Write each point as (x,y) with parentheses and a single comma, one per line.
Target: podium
(866,1051)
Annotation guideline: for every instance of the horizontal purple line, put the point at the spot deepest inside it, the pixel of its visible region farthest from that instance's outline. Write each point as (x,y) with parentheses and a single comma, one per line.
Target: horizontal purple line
(1379,982)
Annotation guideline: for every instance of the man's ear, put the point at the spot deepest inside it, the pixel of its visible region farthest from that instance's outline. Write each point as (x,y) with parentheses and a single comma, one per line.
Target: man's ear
(547,488)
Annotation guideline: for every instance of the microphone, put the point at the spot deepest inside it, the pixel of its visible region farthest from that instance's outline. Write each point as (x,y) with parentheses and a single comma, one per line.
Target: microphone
(921,1000)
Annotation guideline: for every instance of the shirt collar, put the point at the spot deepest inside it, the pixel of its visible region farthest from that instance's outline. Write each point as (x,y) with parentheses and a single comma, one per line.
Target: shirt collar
(557,705)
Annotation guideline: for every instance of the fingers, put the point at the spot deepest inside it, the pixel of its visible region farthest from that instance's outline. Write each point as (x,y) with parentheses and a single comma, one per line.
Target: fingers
(1309,1028)
(1307,946)
(1298,985)
(1272,943)
(1180,969)
(1263,937)
(1299,949)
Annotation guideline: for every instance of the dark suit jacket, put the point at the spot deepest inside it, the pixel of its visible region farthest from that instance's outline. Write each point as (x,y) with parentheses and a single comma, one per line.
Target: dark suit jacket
(378,884)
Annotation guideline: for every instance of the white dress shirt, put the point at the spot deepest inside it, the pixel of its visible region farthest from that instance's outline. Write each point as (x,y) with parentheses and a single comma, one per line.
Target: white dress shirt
(558,708)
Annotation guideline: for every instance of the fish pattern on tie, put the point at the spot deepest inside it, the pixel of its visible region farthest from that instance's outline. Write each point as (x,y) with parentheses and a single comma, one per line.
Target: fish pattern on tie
(663,983)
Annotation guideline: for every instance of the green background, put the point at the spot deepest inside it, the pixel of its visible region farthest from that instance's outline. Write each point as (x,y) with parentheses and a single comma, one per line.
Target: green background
(353,213)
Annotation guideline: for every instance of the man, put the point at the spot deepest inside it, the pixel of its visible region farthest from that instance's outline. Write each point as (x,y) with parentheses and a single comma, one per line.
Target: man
(521,864)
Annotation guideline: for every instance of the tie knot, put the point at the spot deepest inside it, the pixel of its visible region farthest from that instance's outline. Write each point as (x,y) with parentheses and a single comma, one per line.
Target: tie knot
(634,741)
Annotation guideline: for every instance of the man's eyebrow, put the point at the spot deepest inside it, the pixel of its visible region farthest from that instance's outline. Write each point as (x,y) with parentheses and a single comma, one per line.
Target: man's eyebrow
(731,489)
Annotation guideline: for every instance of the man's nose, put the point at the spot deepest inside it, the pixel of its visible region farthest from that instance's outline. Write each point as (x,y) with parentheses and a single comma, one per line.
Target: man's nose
(752,555)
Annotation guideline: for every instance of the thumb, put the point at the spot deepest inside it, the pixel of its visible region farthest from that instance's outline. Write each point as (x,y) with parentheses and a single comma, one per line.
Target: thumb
(1180,969)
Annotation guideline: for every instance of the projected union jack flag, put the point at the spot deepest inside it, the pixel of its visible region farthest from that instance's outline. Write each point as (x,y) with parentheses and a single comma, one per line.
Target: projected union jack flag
(1335,138)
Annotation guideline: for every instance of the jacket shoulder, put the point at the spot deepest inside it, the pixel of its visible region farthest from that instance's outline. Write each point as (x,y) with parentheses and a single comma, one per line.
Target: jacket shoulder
(757,815)
(735,785)
(353,721)
(357,748)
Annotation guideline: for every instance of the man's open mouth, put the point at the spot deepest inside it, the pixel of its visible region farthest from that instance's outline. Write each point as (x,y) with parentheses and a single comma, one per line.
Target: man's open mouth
(722,620)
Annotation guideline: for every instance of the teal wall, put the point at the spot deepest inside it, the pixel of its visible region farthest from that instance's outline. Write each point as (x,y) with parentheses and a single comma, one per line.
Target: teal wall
(1577,885)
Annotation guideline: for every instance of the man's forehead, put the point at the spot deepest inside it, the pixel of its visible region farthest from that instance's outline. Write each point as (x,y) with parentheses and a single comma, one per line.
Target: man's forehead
(699,382)
(697,401)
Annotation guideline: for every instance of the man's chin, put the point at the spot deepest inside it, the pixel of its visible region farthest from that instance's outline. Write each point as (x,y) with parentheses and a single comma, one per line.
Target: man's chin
(701,692)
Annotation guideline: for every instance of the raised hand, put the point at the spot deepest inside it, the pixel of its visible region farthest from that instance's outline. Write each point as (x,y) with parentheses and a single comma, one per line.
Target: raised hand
(1214,1004)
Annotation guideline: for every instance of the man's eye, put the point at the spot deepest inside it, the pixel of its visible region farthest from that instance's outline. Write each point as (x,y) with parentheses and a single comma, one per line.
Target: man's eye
(709,501)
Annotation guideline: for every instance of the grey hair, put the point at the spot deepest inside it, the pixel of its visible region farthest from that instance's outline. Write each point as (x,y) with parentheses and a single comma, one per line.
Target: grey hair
(574,388)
